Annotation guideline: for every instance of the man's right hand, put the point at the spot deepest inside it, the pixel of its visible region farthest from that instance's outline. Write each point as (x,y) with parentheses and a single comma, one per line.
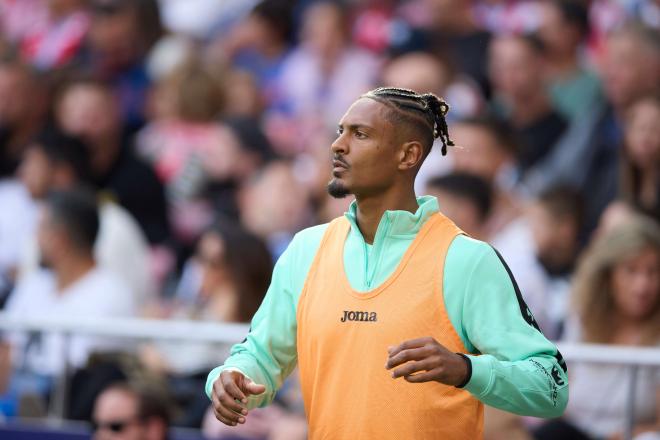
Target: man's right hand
(229,396)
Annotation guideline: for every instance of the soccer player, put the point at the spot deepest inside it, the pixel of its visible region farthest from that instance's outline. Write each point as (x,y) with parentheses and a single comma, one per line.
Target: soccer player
(400,324)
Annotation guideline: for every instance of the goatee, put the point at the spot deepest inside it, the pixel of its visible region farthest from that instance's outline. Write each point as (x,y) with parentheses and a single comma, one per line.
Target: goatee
(337,190)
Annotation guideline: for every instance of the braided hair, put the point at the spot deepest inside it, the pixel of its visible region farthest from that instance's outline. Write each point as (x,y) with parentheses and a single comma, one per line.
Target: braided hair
(426,111)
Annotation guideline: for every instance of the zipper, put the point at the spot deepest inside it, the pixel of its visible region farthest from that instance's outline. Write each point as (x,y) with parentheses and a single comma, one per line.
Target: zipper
(376,249)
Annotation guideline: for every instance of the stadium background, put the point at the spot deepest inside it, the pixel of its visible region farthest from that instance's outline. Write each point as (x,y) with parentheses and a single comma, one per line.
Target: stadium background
(206,128)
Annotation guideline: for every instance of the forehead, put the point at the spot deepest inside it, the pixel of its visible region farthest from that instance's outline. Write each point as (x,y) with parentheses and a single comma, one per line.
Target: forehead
(365,112)
(117,404)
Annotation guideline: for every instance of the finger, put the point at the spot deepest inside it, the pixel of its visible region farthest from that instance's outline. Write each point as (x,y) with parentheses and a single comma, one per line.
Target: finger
(428,376)
(230,415)
(412,368)
(411,343)
(232,388)
(217,411)
(412,354)
(232,404)
(254,388)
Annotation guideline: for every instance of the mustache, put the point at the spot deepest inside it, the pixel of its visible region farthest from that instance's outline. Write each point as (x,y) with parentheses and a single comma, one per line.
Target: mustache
(339,158)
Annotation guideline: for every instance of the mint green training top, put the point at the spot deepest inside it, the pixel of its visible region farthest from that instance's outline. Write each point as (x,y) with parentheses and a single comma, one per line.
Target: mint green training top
(514,367)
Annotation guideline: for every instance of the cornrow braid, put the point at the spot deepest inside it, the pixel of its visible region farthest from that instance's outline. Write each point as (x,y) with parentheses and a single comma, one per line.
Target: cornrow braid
(426,108)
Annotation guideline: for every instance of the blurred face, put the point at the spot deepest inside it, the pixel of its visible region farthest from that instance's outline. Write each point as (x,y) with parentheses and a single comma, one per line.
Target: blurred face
(364,160)
(463,212)
(274,202)
(418,72)
(560,37)
(36,172)
(116,415)
(14,95)
(479,153)
(555,238)
(323,30)
(630,70)
(210,255)
(49,238)
(115,37)
(643,134)
(515,69)
(89,112)
(636,284)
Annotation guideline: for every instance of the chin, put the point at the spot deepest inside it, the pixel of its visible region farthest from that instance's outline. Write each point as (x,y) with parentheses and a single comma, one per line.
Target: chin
(337,189)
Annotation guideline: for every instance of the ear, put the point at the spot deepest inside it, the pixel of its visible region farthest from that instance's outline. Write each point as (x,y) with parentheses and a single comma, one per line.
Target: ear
(410,155)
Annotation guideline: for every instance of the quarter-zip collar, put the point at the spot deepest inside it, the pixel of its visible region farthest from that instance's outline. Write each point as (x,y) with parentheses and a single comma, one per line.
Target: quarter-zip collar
(396,228)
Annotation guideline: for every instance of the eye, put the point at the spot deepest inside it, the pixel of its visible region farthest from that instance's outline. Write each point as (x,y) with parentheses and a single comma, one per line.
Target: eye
(360,135)
(339,131)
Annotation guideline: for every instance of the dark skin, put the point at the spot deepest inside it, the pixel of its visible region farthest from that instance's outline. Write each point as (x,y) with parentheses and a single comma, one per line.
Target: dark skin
(377,162)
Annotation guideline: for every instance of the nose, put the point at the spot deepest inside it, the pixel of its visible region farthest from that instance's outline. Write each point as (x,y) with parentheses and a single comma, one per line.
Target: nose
(339,146)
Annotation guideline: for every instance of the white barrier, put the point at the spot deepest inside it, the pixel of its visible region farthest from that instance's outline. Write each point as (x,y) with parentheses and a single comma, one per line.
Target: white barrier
(196,331)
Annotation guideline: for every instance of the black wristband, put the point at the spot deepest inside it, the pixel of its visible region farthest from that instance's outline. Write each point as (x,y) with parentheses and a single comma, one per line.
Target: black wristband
(468,376)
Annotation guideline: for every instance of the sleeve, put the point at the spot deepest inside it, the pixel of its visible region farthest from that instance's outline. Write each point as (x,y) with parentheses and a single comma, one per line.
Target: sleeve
(268,354)
(519,370)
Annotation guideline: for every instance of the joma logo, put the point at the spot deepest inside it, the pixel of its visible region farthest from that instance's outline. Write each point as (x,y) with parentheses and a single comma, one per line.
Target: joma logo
(350,315)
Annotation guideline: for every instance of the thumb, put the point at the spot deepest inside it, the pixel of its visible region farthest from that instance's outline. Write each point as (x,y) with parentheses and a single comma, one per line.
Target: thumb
(250,387)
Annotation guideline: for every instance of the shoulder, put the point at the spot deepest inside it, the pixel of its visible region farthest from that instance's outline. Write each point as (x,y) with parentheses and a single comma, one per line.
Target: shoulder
(466,251)
(110,290)
(31,290)
(469,259)
(306,242)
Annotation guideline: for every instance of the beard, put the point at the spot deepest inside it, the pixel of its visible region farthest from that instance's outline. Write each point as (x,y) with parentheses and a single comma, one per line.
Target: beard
(337,190)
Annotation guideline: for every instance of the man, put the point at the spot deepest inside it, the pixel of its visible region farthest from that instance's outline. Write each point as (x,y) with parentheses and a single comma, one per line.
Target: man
(88,109)
(516,71)
(465,198)
(126,411)
(386,309)
(74,287)
(55,161)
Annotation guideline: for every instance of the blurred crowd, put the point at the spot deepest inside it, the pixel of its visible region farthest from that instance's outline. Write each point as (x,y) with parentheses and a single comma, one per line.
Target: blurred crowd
(156,157)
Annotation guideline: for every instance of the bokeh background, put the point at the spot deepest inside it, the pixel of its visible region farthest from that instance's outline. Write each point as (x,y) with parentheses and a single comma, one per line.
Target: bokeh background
(202,129)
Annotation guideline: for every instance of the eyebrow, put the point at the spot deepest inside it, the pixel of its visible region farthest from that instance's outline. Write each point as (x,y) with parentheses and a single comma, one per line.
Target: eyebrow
(354,127)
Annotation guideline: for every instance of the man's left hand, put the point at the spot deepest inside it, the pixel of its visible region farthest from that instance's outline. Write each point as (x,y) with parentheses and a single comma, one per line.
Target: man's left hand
(425,360)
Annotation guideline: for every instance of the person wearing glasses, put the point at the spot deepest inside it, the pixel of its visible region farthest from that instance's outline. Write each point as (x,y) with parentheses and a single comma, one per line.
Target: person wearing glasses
(125,411)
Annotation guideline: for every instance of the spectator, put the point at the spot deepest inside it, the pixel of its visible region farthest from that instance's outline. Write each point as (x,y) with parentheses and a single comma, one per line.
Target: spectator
(573,88)
(486,149)
(424,72)
(54,161)
(273,205)
(516,70)
(454,32)
(121,34)
(617,301)
(640,161)
(125,411)
(74,287)
(587,157)
(555,220)
(225,282)
(22,112)
(465,199)
(326,67)
(229,276)
(259,44)
(186,145)
(88,108)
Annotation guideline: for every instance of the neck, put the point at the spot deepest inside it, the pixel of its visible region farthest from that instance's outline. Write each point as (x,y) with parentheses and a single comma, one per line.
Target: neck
(371,209)
(71,269)
(104,154)
(562,64)
(224,304)
(529,109)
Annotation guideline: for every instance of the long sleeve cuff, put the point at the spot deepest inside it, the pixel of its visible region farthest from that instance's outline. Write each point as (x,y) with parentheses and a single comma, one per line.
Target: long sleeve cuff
(481,379)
